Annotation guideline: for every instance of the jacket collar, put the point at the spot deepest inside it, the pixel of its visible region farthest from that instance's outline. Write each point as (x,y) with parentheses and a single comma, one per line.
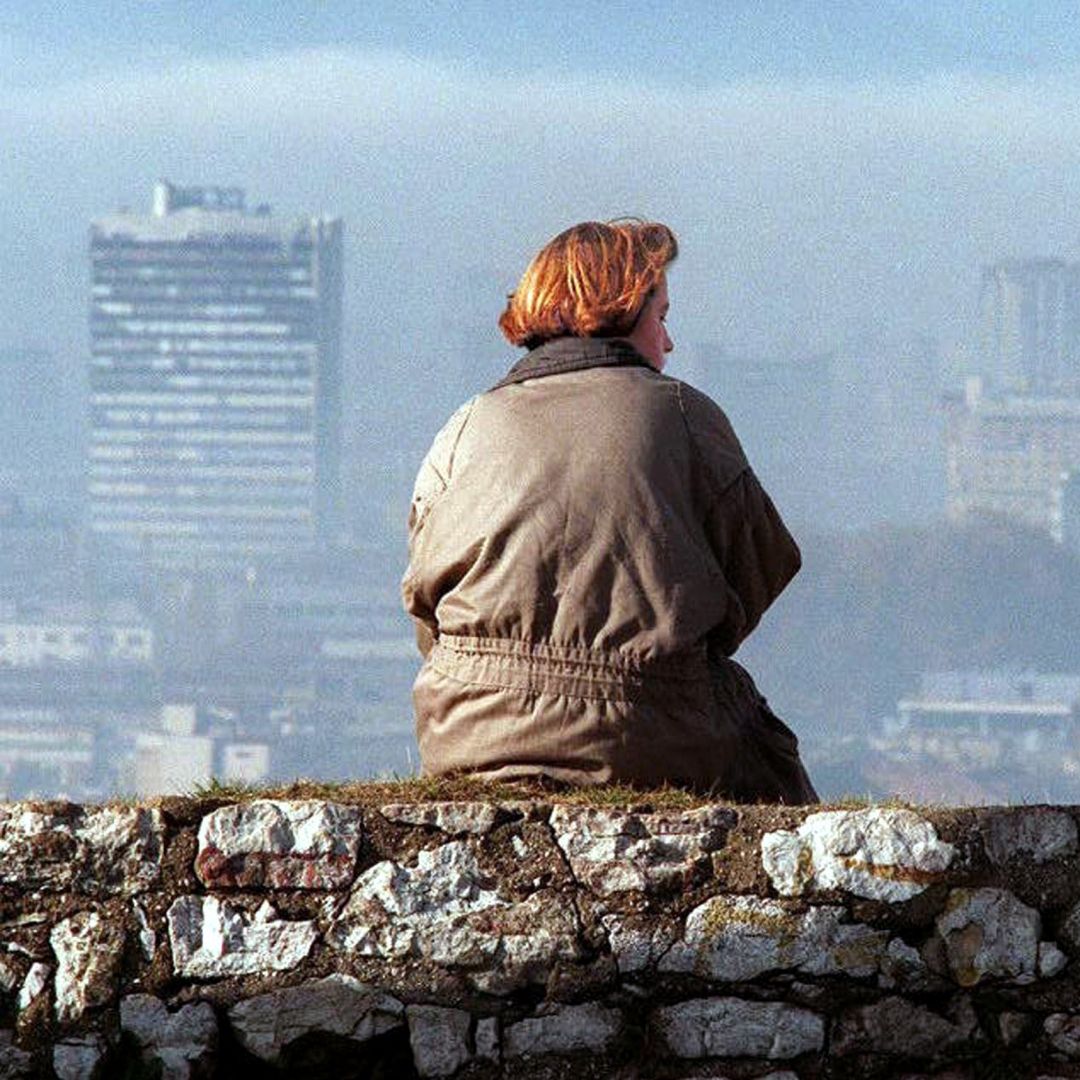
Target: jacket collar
(573,354)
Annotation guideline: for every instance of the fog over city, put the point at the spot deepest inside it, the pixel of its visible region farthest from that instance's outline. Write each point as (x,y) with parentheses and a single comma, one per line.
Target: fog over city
(840,180)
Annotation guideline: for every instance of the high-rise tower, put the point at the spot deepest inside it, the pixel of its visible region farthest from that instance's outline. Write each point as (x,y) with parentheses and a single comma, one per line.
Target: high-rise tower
(215,379)
(1031,324)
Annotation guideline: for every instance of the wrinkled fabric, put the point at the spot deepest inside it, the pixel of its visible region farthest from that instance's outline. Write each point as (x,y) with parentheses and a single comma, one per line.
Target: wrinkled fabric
(587,548)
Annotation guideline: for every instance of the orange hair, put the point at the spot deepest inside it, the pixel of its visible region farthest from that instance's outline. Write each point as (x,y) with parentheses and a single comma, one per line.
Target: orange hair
(590,281)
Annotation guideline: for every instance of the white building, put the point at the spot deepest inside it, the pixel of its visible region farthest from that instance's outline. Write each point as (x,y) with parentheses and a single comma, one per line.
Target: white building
(72,638)
(1011,455)
(215,379)
(1031,324)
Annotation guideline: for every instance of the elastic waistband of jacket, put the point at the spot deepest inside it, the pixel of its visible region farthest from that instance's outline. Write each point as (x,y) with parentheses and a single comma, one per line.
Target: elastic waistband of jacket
(691,664)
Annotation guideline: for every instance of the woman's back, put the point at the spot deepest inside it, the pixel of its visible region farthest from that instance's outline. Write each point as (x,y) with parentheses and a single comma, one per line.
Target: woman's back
(588,547)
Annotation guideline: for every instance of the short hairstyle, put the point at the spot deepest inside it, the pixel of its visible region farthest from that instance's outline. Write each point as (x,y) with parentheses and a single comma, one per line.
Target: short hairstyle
(590,281)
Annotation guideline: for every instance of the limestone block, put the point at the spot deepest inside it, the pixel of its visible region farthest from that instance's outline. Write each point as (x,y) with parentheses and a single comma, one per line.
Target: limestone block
(1063,1031)
(636,941)
(733,938)
(183,1043)
(1052,961)
(439,1039)
(1039,834)
(147,936)
(487,1038)
(88,850)
(37,978)
(989,932)
(338,1005)
(445,911)
(562,1030)
(879,854)
(391,905)
(508,947)
(88,949)
(79,1059)
(895,1026)
(307,844)
(731,1027)
(211,939)
(904,966)
(14,1062)
(474,818)
(10,976)
(616,851)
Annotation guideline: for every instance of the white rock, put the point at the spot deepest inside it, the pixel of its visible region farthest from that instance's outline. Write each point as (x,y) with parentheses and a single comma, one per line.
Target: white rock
(439,1039)
(903,966)
(1052,961)
(390,904)
(615,851)
(636,941)
(445,911)
(487,1038)
(337,1005)
(88,949)
(37,978)
(147,937)
(989,932)
(562,1030)
(9,976)
(731,1027)
(504,948)
(455,818)
(1041,834)
(733,938)
(880,854)
(183,1042)
(211,939)
(306,844)
(89,850)
(78,1059)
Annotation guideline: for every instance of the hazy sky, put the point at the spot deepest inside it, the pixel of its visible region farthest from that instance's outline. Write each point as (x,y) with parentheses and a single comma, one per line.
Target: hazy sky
(835,171)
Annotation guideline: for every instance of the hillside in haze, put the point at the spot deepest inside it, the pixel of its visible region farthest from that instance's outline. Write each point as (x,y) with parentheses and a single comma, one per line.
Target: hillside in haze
(872,611)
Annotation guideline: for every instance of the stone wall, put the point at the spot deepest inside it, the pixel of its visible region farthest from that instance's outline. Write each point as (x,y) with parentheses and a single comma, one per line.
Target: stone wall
(473,940)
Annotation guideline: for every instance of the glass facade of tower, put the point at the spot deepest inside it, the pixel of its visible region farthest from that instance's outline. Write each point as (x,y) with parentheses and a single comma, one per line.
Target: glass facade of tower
(215,380)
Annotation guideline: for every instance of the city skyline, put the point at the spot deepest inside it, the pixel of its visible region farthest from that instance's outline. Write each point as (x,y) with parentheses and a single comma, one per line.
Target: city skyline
(842,179)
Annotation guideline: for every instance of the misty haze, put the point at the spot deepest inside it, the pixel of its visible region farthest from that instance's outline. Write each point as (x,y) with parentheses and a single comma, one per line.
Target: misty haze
(251,267)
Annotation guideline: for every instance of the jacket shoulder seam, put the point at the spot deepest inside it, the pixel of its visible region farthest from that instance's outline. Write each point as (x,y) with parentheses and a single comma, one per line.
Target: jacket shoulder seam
(469,406)
(719,490)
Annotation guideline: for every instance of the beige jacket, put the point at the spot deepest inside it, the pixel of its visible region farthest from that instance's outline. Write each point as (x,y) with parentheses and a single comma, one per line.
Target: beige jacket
(583,538)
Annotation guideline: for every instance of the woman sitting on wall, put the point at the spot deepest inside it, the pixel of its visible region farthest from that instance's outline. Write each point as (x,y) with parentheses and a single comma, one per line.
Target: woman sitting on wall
(588,547)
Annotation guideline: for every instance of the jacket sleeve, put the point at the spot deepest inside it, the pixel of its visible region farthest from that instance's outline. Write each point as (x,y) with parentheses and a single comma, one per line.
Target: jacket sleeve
(755,552)
(417,592)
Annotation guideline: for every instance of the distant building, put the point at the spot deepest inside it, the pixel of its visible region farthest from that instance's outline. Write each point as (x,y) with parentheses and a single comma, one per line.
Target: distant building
(215,380)
(45,752)
(1026,709)
(61,637)
(1030,312)
(1011,455)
